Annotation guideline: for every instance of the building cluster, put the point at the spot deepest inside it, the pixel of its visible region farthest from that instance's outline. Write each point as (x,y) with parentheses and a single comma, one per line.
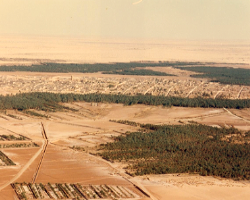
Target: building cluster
(123,85)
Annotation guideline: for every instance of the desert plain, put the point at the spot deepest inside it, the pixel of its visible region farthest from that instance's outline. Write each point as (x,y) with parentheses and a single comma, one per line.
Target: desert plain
(54,158)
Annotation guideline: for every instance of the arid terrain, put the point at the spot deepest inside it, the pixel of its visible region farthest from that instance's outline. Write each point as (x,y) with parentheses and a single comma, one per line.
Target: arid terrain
(89,127)
(181,85)
(61,147)
(17,49)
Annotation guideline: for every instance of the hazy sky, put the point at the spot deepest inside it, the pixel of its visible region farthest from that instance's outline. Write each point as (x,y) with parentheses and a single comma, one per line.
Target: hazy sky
(155,19)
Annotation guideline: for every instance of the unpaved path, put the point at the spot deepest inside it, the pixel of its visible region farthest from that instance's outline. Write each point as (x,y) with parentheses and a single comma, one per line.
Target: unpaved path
(191,92)
(169,90)
(133,87)
(149,89)
(25,167)
(128,178)
(246,120)
(220,91)
(201,116)
(238,95)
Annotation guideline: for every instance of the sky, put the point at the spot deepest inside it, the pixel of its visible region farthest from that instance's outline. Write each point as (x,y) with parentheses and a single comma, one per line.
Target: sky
(146,19)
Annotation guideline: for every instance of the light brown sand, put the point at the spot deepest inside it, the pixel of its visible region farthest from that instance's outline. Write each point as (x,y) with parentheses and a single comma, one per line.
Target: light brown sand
(64,130)
(185,187)
(26,50)
(62,164)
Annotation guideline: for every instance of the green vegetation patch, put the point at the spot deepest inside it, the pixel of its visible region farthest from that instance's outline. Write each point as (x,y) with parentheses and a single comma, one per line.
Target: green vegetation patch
(12,137)
(93,68)
(51,101)
(225,75)
(19,145)
(181,149)
(39,101)
(138,72)
(29,112)
(14,116)
(77,148)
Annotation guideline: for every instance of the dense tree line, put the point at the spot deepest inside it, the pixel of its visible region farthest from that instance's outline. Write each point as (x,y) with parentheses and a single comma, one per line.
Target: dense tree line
(181,149)
(125,68)
(138,72)
(51,101)
(226,75)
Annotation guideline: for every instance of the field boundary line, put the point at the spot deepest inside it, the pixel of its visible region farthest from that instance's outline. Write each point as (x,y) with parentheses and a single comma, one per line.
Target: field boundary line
(43,153)
(25,167)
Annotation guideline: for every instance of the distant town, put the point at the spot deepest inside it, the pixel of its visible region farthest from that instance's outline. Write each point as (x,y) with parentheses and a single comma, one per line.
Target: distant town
(173,86)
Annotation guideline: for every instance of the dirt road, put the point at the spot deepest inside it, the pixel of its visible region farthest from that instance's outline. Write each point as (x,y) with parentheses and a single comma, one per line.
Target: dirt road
(25,167)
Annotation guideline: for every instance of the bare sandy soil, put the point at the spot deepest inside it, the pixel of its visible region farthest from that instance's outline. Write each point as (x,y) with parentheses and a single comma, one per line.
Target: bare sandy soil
(183,186)
(68,129)
(27,50)
(171,70)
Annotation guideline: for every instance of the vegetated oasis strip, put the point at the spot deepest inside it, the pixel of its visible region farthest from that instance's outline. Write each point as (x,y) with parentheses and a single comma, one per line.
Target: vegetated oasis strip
(140,72)
(182,149)
(226,75)
(111,68)
(51,101)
